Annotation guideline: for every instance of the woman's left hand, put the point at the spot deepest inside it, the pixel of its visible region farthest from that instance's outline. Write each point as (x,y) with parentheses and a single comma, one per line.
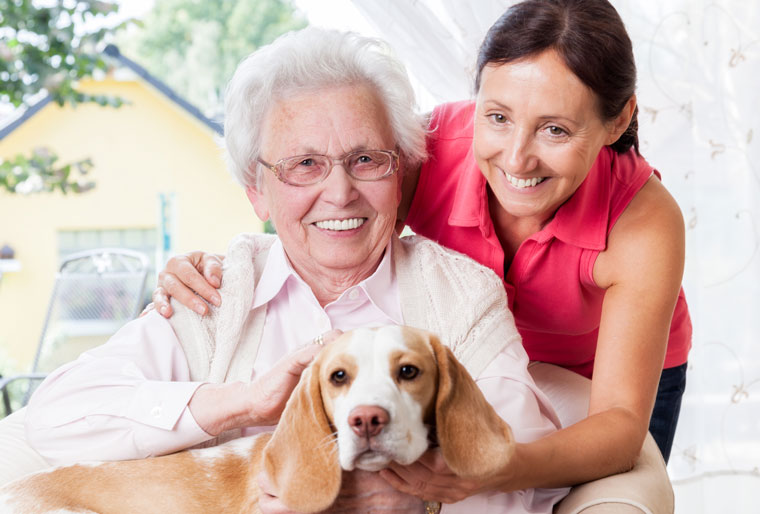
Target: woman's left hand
(431,479)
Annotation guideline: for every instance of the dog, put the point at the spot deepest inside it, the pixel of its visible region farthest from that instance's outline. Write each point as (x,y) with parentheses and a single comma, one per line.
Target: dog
(371,397)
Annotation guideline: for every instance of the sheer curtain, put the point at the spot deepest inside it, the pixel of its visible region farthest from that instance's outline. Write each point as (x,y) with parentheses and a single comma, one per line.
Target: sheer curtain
(699,99)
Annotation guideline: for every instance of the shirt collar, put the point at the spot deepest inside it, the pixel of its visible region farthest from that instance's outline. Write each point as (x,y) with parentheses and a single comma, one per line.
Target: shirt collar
(584,218)
(278,270)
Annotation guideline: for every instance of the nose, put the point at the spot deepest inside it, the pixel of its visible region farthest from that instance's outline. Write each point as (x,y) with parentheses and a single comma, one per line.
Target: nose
(368,420)
(338,187)
(519,153)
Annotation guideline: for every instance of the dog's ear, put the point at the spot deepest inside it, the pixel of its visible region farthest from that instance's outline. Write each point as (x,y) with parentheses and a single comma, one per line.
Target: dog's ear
(301,458)
(474,440)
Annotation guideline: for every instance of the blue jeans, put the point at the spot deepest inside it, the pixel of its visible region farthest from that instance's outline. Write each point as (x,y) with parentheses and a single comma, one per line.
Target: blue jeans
(667,406)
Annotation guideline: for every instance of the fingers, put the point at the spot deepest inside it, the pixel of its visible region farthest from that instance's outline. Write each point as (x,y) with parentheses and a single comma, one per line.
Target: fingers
(431,479)
(151,306)
(301,358)
(212,269)
(330,336)
(161,302)
(188,273)
(182,279)
(170,285)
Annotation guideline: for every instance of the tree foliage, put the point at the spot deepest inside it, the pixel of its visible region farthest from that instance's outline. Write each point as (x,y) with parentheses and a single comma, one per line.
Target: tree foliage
(194,46)
(47,47)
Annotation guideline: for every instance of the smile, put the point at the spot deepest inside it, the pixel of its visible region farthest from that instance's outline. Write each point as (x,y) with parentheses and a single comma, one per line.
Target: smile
(348,224)
(522,183)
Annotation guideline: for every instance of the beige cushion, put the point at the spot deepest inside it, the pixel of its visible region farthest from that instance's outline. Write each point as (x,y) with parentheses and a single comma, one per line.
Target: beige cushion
(645,489)
(17,458)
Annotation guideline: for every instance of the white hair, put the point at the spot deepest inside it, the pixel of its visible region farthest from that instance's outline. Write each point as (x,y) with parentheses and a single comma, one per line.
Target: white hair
(312,59)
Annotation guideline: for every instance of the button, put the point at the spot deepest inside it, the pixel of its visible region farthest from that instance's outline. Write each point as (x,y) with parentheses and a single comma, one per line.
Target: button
(156,411)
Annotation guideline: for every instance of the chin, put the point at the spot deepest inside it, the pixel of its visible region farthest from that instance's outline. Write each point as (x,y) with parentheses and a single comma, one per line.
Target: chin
(372,461)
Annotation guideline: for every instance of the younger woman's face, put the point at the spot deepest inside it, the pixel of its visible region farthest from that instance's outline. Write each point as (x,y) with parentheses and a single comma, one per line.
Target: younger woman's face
(537,134)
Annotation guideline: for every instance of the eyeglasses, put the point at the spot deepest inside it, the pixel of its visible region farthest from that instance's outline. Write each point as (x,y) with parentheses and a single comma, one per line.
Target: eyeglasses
(309,169)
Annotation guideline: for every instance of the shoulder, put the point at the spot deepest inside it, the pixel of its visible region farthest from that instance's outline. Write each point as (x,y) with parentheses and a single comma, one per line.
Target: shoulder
(453,120)
(440,263)
(649,231)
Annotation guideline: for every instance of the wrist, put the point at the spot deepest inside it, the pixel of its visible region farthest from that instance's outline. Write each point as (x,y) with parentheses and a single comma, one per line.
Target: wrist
(220,407)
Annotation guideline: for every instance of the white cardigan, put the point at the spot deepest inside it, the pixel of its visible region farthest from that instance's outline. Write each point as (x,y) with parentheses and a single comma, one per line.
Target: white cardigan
(441,291)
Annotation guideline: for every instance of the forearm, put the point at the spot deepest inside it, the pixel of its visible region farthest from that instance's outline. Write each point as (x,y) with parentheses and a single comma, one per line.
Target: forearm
(600,445)
(125,399)
(66,423)
(221,407)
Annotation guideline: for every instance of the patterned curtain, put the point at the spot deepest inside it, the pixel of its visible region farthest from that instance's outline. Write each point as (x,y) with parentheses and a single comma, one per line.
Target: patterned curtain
(699,99)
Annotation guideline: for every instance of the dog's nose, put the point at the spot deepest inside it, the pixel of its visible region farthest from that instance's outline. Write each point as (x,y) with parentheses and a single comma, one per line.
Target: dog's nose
(368,420)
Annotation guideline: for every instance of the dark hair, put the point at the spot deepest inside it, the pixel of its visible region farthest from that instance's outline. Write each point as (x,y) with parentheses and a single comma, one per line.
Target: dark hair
(589,36)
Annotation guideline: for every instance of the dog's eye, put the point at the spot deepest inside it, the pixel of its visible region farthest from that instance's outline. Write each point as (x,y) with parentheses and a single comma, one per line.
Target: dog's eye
(338,377)
(408,372)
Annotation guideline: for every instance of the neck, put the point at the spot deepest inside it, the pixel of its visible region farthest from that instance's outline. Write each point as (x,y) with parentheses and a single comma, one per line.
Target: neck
(328,284)
(513,230)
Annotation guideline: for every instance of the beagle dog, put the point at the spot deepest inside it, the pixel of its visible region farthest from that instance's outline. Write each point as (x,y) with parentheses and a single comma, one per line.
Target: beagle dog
(371,397)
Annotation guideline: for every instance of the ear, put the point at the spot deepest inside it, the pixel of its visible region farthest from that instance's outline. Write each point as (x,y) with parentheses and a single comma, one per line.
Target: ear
(259,201)
(620,124)
(474,440)
(301,458)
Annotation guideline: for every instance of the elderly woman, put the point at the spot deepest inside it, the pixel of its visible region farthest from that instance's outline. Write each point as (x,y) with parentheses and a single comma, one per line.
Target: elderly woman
(319,129)
(540,179)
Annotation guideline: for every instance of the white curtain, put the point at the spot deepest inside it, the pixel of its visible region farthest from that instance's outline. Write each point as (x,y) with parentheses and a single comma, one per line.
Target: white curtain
(699,99)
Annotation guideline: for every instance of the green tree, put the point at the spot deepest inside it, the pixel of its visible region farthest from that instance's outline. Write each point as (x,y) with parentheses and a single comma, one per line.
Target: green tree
(48,47)
(194,46)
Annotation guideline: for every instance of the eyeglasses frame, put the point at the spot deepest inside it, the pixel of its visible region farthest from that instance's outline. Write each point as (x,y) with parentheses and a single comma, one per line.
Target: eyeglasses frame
(274,168)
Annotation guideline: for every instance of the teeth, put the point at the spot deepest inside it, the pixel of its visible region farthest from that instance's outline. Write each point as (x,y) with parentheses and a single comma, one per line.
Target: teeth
(522,183)
(348,224)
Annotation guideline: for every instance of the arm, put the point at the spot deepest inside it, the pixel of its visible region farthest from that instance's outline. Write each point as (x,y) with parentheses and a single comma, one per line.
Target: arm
(642,270)
(125,399)
(132,398)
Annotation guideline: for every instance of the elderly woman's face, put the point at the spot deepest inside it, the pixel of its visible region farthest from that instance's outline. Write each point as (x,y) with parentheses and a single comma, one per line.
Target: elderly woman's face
(340,225)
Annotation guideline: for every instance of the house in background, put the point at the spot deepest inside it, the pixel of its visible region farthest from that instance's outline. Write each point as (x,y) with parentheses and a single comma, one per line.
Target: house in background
(161,188)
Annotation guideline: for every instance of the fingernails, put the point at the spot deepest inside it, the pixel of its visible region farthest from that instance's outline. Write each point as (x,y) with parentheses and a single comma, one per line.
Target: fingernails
(199,308)
(216,300)
(164,310)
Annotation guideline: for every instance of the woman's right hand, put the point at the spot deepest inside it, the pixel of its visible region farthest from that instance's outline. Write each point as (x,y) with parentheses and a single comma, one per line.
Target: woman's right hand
(220,407)
(186,277)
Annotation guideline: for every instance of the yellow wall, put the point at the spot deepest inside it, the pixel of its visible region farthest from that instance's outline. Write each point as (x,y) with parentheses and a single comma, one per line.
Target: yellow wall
(148,147)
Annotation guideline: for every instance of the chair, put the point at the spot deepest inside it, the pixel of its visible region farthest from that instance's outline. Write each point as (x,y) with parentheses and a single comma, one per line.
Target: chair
(645,489)
(94,294)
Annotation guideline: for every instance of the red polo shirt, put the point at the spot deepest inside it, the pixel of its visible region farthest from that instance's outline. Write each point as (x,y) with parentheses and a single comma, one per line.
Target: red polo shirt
(550,285)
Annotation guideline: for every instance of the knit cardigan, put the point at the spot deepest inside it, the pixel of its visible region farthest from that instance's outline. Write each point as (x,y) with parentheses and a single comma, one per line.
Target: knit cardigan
(440,290)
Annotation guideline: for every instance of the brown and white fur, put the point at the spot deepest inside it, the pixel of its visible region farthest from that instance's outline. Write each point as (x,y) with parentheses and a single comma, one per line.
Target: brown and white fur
(369,398)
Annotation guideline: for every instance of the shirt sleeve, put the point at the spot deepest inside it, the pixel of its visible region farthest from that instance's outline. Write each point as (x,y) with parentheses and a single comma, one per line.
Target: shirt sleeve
(126,399)
(509,388)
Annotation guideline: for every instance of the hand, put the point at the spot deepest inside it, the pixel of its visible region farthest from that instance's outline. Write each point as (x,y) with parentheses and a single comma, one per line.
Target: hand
(361,491)
(220,407)
(184,276)
(431,479)
(270,391)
